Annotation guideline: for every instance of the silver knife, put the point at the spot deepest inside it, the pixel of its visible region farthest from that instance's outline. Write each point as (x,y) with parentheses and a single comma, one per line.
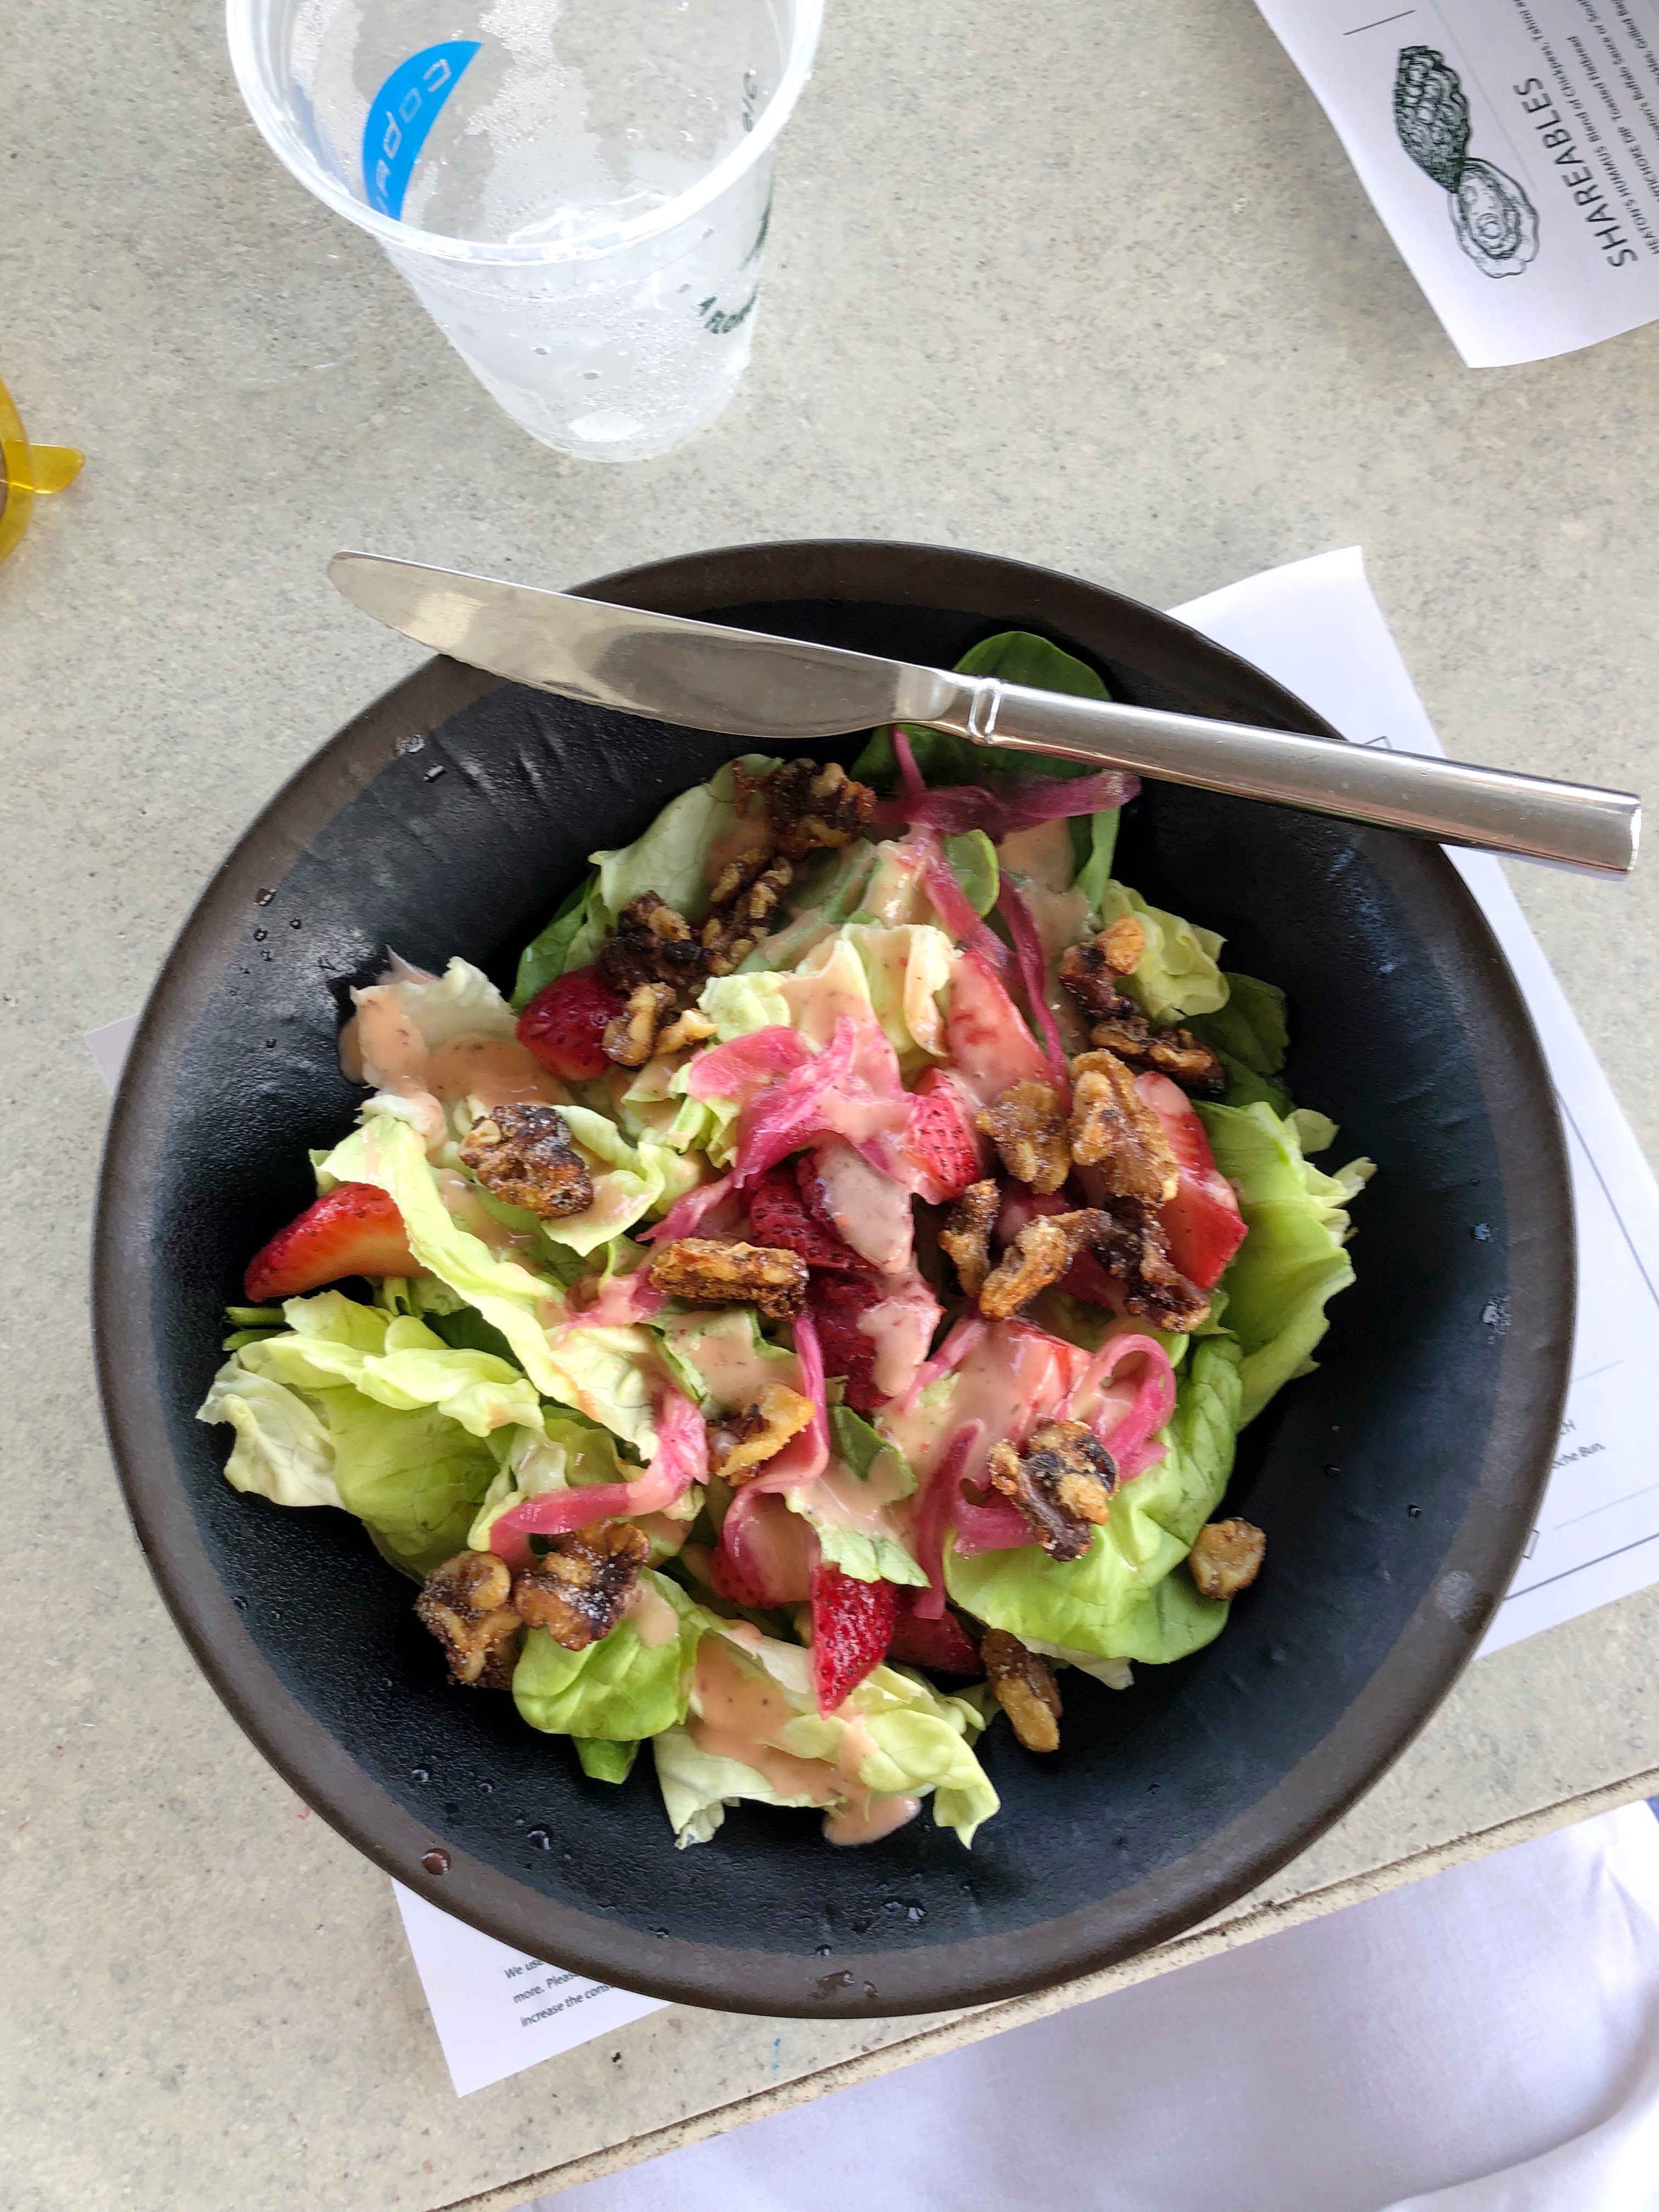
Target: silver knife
(750,685)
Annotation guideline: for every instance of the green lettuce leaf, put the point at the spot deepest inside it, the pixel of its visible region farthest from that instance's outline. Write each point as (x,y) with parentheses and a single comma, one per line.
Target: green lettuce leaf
(397,1360)
(1292,1262)
(1098,842)
(620,1688)
(1177,975)
(605,1762)
(389,1154)
(722,1359)
(1123,1598)
(911,1739)
(569,940)
(973,860)
(414,1479)
(567,1452)
(671,857)
(859,1446)
(1017,656)
(283,1450)
(1249,1036)
(611,1375)
(629,1182)
(868,1555)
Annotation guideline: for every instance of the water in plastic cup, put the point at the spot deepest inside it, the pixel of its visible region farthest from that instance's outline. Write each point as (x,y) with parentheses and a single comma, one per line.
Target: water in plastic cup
(577,190)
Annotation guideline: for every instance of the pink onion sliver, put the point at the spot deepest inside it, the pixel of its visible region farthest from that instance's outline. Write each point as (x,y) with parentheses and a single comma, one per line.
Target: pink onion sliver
(734,1070)
(1129,1436)
(681,1459)
(1020,804)
(955,908)
(684,1216)
(908,772)
(996,1525)
(959,1341)
(934,1519)
(624,1300)
(1016,910)
(806,1455)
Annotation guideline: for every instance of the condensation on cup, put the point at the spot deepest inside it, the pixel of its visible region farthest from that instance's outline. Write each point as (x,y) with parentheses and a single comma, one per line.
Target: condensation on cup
(577,191)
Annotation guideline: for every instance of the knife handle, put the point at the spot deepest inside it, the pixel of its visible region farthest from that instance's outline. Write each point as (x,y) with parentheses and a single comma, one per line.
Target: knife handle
(1531,816)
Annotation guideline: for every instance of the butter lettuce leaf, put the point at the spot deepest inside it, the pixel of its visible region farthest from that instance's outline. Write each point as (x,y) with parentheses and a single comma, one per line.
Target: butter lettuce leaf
(1292,1262)
(283,1450)
(1124,1599)
(571,940)
(1177,975)
(672,857)
(621,1688)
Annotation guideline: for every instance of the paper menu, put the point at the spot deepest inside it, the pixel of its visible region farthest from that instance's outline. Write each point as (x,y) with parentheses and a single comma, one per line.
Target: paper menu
(1511,148)
(1316,627)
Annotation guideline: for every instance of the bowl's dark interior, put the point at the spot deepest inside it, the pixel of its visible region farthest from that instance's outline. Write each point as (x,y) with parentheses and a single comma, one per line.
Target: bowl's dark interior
(1393,1484)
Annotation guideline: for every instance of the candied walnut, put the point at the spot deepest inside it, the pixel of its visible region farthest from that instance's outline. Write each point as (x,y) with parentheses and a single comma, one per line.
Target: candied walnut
(1062,1483)
(704,1272)
(743,1442)
(1028,1128)
(630,1037)
(1025,1689)
(523,1154)
(467,1603)
(1114,1130)
(1227,1557)
(809,807)
(741,919)
(1131,1245)
(577,1589)
(966,1234)
(1092,981)
(1039,1255)
(653,944)
(1176,1052)
(690,1028)
(1121,943)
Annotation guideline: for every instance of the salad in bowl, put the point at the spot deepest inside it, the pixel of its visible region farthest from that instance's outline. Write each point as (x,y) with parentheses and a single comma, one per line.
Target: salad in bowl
(817,1311)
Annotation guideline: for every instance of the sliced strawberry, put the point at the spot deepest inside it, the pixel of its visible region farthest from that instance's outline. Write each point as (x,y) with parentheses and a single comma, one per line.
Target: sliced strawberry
(355,1230)
(1202,1220)
(942,1646)
(778,1215)
(852,1627)
(940,1136)
(1087,1279)
(866,1208)
(990,1047)
(564,1023)
(837,1302)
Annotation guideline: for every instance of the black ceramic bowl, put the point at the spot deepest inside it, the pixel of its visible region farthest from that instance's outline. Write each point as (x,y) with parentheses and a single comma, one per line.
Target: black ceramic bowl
(1396,1485)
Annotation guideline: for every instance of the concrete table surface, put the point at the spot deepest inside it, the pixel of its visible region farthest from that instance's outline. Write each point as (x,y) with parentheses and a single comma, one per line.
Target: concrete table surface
(1093,286)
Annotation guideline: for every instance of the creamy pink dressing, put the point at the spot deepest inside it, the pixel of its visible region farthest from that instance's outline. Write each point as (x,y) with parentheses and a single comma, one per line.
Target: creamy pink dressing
(382,1045)
(740,1709)
(841,1498)
(655,1621)
(731,1363)
(495,1071)
(893,893)
(900,1327)
(868,1823)
(1013,1377)
(463,1204)
(869,1210)
(727,844)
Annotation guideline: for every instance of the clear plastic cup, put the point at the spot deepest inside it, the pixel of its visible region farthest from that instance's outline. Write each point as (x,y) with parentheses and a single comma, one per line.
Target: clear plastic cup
(577,191)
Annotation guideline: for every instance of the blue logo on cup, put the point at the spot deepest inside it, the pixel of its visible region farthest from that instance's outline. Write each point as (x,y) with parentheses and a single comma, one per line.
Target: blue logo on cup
(401,114)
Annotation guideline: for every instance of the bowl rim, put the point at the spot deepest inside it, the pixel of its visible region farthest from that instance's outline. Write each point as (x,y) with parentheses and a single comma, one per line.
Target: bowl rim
(1408,1685)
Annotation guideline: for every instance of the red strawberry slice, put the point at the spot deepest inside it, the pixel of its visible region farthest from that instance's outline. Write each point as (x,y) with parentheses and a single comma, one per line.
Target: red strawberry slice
(1202,1220)
(837,1302)
(779,1216)
(852,1628)
(355,1230)
(942,1646)
(564,1023)
(941,1137)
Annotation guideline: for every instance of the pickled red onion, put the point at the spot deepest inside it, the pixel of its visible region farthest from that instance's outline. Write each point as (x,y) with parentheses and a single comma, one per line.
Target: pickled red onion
(1016,910)
(681,1459)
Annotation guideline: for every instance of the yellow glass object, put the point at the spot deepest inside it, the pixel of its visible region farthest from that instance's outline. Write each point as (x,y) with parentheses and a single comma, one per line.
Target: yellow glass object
(30,471)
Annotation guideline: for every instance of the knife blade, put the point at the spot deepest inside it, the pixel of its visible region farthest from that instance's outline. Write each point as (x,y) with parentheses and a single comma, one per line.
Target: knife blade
(750,684)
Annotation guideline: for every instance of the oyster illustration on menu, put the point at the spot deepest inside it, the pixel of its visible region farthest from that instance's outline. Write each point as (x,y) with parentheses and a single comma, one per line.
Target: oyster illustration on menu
(1496,223)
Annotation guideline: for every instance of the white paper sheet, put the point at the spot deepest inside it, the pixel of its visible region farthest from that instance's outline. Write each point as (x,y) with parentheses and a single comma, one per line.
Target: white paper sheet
(1316,627)
(496,2010)
(1511,148)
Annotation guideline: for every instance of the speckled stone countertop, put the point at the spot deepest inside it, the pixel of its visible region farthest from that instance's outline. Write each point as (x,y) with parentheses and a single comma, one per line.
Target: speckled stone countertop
(1097,289)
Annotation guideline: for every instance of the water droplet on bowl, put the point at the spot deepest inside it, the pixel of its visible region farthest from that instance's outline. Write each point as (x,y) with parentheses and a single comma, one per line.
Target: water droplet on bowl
(540,1837)
(261,935)
(420,1774)
(263,898)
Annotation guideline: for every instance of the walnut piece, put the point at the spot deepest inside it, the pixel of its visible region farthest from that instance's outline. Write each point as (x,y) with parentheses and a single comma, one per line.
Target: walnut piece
(1226,1557)
(578,1588)
(1131,1245)
(1062,1483)
(1039,1255)
(1176,1052)
(1121,944)
(689,1028)
(653,944)
(704,1272)
(809,807)
(966,1234)
(1025,1689)
(630,1037)
(523,1154)
(1028,1127)
(743,911)
(1114,1130)
(466,1605)
(1090,975)
(742,1442)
